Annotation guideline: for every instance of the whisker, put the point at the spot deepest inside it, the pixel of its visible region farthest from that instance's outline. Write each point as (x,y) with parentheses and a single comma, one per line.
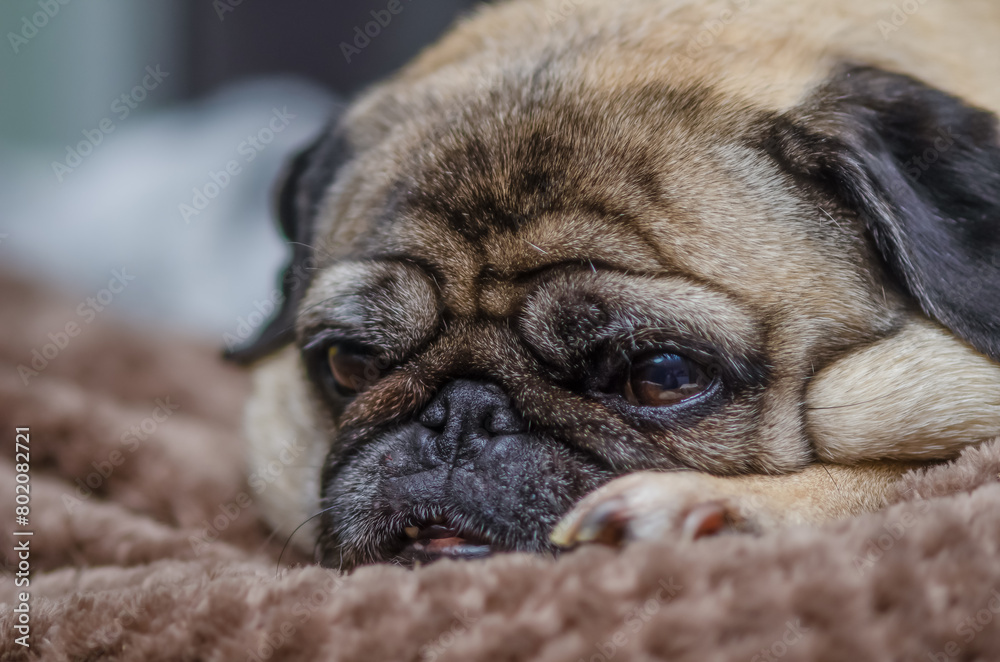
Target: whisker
(853,404)
(324,253)
(277,567)
(830,475)
(835,222)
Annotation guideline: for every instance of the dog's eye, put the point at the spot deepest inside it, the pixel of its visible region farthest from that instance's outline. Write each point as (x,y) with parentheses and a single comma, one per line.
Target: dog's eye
(664,379)
(352,370)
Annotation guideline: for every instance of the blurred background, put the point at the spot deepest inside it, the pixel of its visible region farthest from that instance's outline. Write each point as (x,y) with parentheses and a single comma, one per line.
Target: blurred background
(140,141)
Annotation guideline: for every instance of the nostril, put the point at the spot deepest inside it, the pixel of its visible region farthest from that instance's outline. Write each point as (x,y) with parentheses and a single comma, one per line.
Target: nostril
(435,416)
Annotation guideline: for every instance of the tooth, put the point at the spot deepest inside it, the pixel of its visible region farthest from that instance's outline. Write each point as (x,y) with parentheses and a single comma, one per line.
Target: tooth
(412,531)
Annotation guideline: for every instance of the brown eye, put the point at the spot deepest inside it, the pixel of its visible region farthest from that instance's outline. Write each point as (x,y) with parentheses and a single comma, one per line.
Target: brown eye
(351,369)
(663,380)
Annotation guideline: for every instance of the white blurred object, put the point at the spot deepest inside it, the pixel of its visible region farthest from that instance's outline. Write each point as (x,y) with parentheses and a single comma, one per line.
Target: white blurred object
(121,207)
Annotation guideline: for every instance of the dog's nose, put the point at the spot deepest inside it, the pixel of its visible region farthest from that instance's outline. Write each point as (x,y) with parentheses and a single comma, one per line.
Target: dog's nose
(465,414)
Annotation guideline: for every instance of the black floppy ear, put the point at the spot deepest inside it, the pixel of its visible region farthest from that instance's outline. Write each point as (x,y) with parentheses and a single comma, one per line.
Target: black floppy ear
(305,181)
(923,169)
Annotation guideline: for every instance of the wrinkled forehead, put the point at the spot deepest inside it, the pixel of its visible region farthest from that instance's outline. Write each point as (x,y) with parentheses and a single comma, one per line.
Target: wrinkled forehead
(495,192)
(488,194)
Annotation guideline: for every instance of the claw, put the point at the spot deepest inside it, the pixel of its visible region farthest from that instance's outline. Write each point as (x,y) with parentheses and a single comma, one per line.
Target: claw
(606,524)
(705,519)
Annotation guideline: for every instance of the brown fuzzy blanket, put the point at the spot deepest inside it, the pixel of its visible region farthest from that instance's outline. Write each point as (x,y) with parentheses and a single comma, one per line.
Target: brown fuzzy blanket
(147,546)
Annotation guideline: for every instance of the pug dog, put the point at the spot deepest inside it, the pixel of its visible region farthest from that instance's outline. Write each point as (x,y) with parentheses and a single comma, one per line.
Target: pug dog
(591,271)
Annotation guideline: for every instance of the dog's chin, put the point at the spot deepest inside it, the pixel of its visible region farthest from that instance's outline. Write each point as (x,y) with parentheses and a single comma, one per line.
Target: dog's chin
(425,535)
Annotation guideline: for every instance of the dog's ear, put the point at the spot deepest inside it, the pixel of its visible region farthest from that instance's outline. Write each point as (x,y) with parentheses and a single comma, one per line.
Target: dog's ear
(302,188)
(922,167)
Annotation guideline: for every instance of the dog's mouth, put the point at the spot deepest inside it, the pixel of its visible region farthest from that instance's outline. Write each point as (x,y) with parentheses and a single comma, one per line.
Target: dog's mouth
(389,503)
(440,537)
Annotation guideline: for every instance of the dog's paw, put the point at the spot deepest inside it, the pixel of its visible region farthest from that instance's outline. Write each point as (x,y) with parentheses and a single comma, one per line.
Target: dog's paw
(654,506)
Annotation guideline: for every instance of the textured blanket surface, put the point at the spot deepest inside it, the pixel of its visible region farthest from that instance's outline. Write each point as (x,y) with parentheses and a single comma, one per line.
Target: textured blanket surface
(147,545)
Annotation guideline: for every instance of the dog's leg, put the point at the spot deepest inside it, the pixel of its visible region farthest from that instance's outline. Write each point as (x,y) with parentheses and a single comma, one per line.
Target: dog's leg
(921,394)
(686,504)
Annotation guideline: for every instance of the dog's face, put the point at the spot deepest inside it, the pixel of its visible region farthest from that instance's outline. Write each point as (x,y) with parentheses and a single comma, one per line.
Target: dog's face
(505,298)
